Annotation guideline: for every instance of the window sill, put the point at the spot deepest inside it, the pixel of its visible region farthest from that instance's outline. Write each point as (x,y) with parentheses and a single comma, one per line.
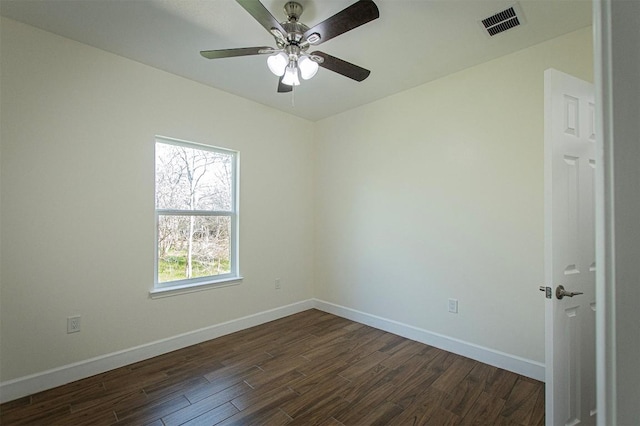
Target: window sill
(158,293)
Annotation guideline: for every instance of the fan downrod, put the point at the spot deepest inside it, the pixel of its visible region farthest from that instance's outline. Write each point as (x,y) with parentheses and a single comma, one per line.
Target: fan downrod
(293,10)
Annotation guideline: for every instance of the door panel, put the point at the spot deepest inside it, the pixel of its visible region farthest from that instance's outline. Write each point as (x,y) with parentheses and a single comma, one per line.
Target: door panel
(569,249)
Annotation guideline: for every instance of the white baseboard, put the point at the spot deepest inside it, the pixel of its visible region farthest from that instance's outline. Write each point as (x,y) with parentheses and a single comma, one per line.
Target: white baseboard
(525,367)
(28,385)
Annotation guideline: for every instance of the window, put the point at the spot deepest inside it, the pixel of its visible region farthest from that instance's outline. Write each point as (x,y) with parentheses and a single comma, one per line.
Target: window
(196,215)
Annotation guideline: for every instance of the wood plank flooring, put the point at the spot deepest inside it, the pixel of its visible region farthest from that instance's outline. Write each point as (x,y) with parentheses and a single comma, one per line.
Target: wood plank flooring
(311,368)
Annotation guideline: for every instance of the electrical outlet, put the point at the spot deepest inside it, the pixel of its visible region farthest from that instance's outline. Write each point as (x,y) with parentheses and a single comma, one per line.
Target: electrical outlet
(453,306)
(277,284)
(73,324)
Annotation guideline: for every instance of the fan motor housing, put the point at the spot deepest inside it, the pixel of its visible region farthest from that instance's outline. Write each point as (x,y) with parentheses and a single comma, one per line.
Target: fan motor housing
(293,10)
(295,31)
(294,28)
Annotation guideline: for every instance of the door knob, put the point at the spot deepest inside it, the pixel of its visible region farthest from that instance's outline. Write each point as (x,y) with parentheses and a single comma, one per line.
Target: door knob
(561,292)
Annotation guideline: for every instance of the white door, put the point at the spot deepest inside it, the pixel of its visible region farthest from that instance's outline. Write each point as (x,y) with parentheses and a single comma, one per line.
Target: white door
(569,249)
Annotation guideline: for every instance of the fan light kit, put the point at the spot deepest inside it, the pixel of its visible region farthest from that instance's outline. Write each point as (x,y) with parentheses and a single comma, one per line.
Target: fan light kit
(287,67)
(290,59)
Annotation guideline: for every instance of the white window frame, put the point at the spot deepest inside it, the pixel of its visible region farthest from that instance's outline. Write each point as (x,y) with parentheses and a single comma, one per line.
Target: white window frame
(161,289)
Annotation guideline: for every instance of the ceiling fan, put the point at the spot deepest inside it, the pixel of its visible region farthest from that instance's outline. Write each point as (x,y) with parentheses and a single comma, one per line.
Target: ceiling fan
(290,59)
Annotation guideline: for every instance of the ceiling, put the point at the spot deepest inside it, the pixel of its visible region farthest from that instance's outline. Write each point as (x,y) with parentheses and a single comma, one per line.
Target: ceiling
(413,41)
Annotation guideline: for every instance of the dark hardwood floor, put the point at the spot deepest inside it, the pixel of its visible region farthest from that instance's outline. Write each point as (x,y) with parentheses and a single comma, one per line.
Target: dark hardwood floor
(309,368)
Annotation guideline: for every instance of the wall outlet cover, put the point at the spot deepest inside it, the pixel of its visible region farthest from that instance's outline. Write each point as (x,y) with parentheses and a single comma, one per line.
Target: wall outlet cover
(73,324)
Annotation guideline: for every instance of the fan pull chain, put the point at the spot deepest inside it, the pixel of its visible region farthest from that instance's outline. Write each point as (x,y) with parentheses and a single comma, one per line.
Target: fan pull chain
(293,96)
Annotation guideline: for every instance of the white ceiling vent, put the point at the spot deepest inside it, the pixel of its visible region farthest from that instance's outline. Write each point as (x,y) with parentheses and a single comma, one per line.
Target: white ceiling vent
(503,21)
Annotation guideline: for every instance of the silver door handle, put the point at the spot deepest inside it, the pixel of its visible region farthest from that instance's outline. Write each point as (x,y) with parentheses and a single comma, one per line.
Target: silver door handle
(561,292)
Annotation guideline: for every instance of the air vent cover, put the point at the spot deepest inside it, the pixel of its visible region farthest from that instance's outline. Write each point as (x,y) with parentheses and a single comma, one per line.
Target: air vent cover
(502,21)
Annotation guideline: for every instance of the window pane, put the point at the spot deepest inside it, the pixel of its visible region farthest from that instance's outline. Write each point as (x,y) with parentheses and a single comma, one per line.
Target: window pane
(193,247)
(193,179)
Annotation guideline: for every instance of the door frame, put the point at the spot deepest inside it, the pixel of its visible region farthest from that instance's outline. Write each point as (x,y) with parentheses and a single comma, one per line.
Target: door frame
(616,207)
(605,326)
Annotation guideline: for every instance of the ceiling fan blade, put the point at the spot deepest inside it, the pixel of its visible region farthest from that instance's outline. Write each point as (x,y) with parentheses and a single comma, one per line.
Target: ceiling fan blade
(261,14)
(342,67)
(352,17)
(244,51)
(283,88)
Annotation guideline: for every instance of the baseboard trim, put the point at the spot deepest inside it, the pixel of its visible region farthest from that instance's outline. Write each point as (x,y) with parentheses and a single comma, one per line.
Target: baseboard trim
(523,366)
(38,382)
(31,384)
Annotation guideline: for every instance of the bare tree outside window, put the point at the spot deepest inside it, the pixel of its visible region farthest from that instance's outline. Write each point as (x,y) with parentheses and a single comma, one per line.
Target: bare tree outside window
(195,211)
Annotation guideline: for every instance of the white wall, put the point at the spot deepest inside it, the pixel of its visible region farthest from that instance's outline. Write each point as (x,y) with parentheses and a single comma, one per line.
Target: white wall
(433,193)
(437,193)
(78,127)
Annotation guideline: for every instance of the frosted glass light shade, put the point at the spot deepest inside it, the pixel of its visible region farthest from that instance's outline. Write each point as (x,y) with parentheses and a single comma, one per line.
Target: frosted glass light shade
(278,63)
(291,77)
(308,67)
